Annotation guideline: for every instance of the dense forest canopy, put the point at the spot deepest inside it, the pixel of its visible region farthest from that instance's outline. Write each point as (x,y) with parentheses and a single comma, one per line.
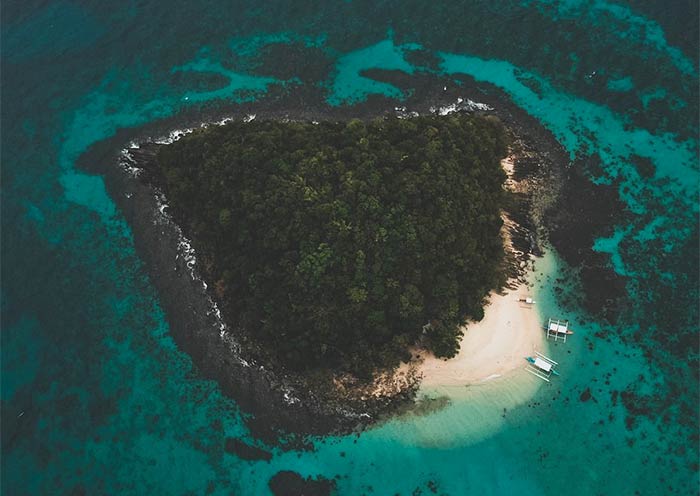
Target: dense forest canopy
(333,244)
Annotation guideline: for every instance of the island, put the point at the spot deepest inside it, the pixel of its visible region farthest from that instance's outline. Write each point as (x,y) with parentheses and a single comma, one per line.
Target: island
(322,264)
(336,246)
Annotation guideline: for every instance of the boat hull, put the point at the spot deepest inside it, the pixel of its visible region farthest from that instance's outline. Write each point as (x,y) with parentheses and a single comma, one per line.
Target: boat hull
(568,332)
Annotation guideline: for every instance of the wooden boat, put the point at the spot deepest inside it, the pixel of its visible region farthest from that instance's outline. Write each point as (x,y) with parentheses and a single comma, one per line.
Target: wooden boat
(558,329)
(537,364)
(541,366)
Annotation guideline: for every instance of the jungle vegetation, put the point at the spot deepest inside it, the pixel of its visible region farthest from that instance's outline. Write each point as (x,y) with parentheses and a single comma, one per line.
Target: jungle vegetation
(333,244)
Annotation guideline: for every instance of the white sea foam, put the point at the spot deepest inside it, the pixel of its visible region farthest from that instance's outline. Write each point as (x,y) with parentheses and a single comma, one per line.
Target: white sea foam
(404,113)
(491,377)
(161,205)
(461,105)
(173,136)
(127,162)
(348,414)
(224,121)
(289,399)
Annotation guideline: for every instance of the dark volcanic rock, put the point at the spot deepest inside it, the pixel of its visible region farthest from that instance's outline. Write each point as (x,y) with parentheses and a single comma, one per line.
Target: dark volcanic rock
(245,451)
(288,483)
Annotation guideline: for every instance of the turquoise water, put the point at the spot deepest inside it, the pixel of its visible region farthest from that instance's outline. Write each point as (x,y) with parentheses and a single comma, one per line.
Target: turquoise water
(96,396)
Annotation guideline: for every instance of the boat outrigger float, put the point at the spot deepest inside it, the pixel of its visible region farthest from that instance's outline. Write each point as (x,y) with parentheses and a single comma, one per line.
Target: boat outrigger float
(558,329)
(541,366)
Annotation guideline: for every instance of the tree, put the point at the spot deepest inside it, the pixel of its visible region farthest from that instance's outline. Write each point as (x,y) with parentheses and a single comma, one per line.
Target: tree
(224,217)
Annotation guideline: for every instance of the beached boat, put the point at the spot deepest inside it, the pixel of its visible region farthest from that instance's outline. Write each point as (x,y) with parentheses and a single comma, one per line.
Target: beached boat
(558,329)
(527,300)
(541,366)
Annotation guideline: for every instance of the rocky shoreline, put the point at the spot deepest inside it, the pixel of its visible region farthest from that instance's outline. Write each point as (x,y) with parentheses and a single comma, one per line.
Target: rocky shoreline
(281,404)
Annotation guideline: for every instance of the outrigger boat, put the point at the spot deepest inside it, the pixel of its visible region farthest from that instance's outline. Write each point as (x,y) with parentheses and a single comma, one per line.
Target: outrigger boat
(541,366)
(558,329)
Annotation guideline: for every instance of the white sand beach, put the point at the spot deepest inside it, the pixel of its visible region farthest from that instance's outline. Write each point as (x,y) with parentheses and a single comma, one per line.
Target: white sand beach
(509,331)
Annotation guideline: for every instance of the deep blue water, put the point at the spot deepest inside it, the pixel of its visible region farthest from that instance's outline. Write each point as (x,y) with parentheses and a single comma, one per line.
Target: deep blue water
(96,397)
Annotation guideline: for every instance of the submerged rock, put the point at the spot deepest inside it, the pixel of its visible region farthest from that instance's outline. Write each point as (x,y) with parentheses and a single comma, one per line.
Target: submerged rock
(586,395)
(288,483)
(245,451)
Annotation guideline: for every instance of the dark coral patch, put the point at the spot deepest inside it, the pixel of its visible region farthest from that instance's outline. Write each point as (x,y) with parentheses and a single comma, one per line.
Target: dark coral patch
(288,483)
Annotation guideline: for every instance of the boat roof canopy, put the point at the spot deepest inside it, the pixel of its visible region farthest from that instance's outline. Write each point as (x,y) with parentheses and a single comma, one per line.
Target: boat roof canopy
(542,364)
(558,326)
